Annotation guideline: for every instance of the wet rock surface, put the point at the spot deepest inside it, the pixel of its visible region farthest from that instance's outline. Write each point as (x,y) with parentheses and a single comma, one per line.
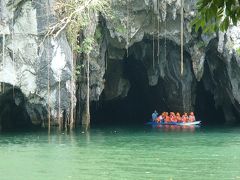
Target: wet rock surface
(141,32)
(28,59)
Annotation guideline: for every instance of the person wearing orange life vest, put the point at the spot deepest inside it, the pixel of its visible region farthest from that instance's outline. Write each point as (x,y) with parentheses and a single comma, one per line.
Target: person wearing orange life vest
(192,117)
(167,118)
(159,118)
(178,117)
(170,116)
(162,117)
(173,117)
(185,117)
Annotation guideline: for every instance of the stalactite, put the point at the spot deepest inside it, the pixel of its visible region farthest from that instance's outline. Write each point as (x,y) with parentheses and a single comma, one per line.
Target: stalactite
(182,21)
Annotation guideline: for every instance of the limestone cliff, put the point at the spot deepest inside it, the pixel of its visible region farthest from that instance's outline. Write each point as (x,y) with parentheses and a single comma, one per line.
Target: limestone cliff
(28,59)
(142,31)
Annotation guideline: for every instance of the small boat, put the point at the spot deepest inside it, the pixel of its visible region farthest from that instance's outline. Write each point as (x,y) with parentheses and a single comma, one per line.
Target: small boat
(154,123)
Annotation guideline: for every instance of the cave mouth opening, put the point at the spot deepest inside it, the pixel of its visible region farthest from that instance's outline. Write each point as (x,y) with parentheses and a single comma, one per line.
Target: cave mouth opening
(136,108)
(13,114)
(142,98)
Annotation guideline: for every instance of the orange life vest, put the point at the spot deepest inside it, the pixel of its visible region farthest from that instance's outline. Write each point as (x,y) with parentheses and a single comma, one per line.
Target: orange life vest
(185,118)
(179,119)
(167,119)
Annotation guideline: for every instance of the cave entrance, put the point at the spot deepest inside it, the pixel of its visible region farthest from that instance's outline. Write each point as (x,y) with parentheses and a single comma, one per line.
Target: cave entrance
(13,115)
(150,90)
(137,106)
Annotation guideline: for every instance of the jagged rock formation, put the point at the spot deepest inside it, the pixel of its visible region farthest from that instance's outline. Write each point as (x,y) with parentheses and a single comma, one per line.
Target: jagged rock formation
(142,37)
(26,56)
(139,23)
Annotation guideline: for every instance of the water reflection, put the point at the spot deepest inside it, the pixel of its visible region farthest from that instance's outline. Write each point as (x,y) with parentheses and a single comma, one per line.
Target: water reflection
(174,128)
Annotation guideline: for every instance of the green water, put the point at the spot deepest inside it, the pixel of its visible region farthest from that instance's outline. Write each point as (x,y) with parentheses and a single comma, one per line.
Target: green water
(122,153)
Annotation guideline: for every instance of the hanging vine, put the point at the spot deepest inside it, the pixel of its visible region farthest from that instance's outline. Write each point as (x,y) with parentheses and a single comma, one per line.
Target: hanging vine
(48,73)
(59,102)
(158,21)
(12,36)
(127,27)
(165,31)
(153,43)
(3,52)
(182,21)
(88,91)
(106,60)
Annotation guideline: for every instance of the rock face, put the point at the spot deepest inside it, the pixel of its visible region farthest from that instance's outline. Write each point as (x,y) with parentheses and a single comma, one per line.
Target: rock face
(28,59)
(149,32)
(143,31)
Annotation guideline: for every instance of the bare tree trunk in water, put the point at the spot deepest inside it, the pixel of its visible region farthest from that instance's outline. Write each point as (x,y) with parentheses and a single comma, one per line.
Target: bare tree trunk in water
(3,59)
(71,123)
(59,103)
(48,71)
(48,94)
(86,111)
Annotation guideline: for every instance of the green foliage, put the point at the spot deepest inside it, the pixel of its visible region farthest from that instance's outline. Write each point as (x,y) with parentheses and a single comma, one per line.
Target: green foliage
(87,45)
(75,15)
(121,29)
(216,14)
(200,44)
(238,51)
(118,25)
(78,69)
(98,33)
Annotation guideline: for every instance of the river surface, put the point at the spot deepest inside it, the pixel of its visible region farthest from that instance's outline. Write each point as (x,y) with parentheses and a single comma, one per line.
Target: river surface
(122,153)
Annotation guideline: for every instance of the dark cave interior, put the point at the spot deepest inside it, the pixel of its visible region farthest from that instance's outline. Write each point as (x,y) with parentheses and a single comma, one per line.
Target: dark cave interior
(205,109)
(142,100)
(13,115)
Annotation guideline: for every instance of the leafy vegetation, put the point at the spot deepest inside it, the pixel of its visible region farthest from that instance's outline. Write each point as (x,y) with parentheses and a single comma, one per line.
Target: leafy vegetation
(238,51)
(98,36)
(214,15)
(74,15)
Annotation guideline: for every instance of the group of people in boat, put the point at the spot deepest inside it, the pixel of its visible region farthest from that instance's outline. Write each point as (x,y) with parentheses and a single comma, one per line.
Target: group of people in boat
(172,117)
